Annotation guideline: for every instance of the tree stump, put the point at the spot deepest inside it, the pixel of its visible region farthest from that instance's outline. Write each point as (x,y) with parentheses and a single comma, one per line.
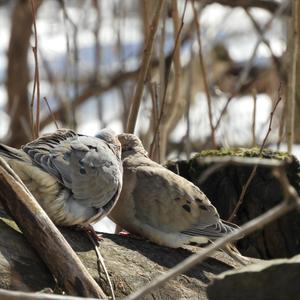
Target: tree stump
(223,188)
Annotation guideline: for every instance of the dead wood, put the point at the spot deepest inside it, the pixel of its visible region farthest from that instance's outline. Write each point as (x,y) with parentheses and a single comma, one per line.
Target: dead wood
(17,295)
(136,101)
(131,264)
(223,184)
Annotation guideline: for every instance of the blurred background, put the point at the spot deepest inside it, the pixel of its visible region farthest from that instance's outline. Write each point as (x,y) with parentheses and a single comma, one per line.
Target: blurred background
(217,70)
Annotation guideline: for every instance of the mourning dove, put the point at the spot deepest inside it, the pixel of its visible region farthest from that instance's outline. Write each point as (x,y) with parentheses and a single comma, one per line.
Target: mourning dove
(161,206)
(75,178)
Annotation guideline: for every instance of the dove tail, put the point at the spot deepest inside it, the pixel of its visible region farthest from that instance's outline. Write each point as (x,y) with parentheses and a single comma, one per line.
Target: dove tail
(212,232)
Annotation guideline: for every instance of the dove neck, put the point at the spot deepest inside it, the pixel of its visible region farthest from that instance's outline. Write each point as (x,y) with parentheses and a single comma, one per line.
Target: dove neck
(136,151)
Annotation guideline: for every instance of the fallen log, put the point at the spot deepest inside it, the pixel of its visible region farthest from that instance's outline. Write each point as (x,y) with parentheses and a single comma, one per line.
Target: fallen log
(131,263)
(17,295)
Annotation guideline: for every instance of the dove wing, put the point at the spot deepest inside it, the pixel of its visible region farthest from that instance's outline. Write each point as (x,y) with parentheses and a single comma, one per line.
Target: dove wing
(44,150)
(83,164)
(169,202)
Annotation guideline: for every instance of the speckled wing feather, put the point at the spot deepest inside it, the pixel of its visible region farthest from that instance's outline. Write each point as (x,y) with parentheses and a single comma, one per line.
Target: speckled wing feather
(170,203)
(42,150)
(85,165)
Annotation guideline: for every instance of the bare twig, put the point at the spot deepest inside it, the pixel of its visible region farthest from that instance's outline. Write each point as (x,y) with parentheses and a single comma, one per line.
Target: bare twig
(281,129)
(144,6)
(18,295)
(240,161)
(289,203)
(26,127)
(101,264)
(289,191)
(98,55)
(154,152)
(73,61)
(155,145)
(204,76)
(187,141)
(172,103)
(62,100)
(243,77)
(221,162)
(31,114)
(96,89)
(93,90)
(253,128)
(253,172)
(97,29)
(18,76)
(168,69)
(125,95)
(51,113)
(279,97)
(291,100)
(162,58)
(256,26)
(36,74)
(135,105)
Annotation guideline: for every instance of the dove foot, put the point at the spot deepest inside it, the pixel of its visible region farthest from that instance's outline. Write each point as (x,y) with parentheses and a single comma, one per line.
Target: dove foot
(90,231)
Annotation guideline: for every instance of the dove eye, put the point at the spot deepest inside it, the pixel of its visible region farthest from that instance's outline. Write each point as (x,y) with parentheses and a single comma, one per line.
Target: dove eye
(186,207)
(93,148)
(82,171)
(67,156)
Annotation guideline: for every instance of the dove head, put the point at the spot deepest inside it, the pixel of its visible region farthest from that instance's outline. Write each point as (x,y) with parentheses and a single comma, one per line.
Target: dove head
(109,136)
(131,142)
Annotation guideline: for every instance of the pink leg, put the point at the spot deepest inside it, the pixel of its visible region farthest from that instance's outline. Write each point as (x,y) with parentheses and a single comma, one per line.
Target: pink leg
(90,231)
(125,233)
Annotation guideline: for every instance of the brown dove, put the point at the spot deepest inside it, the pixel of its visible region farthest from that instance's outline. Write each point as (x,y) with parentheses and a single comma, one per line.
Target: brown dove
(75,178)
(161,206)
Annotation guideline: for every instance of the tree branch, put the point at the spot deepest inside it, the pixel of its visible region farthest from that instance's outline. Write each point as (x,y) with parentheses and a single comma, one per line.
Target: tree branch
(17,295)
(135,105)
(269,5)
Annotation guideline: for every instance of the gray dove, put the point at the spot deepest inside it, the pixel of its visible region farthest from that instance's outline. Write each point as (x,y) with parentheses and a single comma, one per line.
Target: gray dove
(77,179)
(161,206)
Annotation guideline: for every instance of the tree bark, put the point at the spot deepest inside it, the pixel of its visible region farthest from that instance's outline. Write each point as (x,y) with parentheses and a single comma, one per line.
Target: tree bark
(131,263)
(296,35)
(18,73)
(19,295)
(223,187)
